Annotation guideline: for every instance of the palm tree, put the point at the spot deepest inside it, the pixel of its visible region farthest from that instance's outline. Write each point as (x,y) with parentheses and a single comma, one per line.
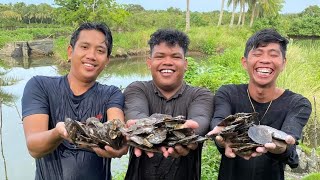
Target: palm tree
(242,4)
(253,5)
(221,12)
(234,5)
(260,8)
(188,16)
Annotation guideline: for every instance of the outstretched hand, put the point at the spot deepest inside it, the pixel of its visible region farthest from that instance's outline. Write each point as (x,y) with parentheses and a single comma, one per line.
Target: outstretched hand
(179,150)
(138,152)
(109,152)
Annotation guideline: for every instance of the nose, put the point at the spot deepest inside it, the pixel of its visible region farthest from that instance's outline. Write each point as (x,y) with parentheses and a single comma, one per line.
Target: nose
(265,59)
(91,54)
(168,60)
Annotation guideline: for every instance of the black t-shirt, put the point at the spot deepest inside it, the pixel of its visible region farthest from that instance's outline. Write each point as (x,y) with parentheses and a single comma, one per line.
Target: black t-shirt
(53,96)
(142,100)
(289,112)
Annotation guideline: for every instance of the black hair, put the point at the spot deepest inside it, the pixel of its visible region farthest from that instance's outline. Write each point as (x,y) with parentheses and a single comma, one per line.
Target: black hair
(264,37)
(101,27)
(171,37)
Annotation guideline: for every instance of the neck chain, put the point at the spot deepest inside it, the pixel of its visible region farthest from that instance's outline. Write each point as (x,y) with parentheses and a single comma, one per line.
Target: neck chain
(254,110)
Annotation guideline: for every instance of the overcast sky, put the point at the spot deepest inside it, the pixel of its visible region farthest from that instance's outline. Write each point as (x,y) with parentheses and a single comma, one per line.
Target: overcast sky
(291,6)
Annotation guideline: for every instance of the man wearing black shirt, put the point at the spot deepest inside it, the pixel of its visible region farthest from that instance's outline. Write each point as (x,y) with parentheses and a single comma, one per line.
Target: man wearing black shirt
(264,59)
(167,93)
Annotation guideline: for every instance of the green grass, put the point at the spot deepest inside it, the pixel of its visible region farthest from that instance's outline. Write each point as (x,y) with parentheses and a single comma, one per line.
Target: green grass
(313,176)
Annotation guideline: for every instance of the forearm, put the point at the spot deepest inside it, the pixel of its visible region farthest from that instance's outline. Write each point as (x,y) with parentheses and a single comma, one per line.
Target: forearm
(41,143)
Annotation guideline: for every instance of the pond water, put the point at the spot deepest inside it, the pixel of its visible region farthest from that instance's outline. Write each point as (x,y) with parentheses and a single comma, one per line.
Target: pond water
(17,161)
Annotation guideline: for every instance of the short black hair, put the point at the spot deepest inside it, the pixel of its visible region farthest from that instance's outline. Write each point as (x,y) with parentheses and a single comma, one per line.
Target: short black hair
(264,37)
(171,37)
(101,27)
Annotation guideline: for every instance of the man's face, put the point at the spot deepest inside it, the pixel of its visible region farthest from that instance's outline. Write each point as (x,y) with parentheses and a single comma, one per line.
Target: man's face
(88,56)
(264,64)
(167,65)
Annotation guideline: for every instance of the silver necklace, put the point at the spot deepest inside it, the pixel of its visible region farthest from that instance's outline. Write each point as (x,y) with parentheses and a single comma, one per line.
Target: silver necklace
(254,110)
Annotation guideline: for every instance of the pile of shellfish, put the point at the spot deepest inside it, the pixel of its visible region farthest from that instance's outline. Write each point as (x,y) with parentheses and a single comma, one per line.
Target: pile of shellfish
(244,135)
(94,133)
(160,130)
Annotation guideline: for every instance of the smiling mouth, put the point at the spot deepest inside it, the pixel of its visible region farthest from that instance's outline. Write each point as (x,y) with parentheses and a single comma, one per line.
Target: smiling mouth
(89,65)
(264,70)
(167,71)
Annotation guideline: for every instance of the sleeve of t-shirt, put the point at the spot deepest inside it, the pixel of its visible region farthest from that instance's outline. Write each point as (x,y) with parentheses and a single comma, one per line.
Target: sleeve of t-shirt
(201,110)
(222,106)
(136,103)
(296,119)
(116,98)
(34,99)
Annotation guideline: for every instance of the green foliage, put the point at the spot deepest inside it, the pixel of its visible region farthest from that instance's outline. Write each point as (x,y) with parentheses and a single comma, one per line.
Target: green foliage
(275,22)
(307,23)
(210,161)
(312,176)
(60,48)
(301,75)
(119,176)
(218,70)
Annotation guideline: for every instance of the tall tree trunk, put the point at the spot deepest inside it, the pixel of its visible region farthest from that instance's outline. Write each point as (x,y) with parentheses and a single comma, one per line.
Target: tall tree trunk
(240,15)
(253,14)
(221,12)
(233,12)
(188,16)
(243,15)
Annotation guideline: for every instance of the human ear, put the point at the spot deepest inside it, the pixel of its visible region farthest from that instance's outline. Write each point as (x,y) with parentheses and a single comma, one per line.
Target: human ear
(244,63)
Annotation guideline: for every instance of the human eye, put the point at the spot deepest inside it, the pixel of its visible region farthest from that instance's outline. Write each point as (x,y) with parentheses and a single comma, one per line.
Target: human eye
(158,57)
(101,51)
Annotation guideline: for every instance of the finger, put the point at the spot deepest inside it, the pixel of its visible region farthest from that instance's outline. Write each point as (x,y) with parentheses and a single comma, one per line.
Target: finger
(164,151)
(216,130)
(61,127)
(101,152)
(137,152)
(149,154)
(290,140)
(270,146)
(181,150)
(229,153)
(255,154)
(220,141)
(116,153)
(191,124)
(171,150)
(192,146)
(261,150)
(130,122)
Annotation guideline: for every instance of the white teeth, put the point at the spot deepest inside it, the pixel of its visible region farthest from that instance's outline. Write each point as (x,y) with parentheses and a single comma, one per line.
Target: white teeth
(264,70)
(88,65)
(167,71)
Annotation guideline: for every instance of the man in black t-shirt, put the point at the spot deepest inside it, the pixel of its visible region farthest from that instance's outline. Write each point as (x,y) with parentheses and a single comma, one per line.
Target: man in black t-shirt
(47,101)
(167,93)
(264,59)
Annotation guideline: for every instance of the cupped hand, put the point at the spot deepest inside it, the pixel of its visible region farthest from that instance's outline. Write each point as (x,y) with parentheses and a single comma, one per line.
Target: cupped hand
(279,147)
(109,152)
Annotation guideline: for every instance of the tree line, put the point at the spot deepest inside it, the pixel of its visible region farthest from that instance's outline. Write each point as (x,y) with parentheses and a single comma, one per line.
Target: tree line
(254,14)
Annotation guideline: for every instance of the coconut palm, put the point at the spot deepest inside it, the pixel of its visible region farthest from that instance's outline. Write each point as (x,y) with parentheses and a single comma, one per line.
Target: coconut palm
(262,8)
(234,5)
(188,16)
(221,12)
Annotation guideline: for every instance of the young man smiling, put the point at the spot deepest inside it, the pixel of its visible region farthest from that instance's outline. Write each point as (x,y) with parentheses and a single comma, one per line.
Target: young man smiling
(264,59)
(167,93)
(47,101)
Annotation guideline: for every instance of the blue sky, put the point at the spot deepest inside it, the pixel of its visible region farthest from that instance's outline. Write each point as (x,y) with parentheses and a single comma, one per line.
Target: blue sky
(291,6)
